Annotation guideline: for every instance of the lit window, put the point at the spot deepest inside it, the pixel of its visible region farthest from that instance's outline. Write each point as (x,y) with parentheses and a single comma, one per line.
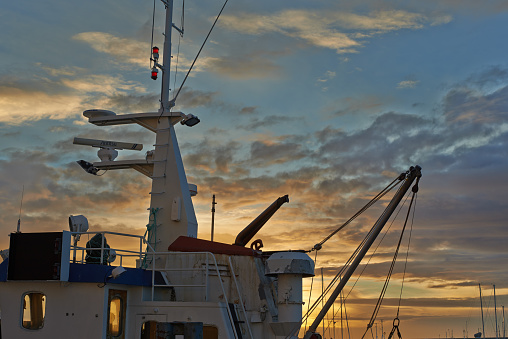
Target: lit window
(149,329)
(115,316)
(210,332)
(34,310)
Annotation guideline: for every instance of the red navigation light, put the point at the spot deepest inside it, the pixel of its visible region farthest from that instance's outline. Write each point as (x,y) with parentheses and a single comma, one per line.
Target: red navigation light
(155,53)
(154,73)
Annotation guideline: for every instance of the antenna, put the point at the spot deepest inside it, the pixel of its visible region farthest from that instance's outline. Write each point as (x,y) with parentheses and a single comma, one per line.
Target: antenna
(213,215)
(20,207)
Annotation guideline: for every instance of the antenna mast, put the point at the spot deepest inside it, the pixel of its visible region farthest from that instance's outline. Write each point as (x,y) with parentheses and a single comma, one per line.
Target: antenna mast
(481,306)
(213,215)
(18,229)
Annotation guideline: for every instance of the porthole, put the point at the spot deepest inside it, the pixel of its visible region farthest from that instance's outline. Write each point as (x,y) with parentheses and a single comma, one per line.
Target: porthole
(33,310)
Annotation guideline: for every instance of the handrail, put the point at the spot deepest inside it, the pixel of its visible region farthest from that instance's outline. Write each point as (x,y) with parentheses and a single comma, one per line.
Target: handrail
(209,256)
(240,297)
(210,260)
(119,252)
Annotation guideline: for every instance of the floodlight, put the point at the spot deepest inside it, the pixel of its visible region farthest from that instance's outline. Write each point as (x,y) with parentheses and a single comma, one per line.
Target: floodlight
(117,272)
(111,256)
(190,120)
(88,167)
(78,223)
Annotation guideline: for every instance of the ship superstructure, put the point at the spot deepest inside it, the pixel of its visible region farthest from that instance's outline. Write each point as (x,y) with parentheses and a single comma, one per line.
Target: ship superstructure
(166,283)
(173,284)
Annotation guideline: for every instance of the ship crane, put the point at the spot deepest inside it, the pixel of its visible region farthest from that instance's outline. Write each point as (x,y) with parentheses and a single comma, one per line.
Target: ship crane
(414,173)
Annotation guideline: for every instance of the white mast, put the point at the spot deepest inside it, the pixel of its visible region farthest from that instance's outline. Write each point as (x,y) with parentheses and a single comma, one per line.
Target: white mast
(170,190)
(481,306)
(171,210)
(495,312)
(504,324)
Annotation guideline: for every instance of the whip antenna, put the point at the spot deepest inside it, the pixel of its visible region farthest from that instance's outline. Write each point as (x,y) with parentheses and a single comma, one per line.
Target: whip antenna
(20,207)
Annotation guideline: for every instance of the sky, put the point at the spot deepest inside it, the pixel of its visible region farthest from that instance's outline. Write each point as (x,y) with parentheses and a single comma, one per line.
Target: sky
(326,101)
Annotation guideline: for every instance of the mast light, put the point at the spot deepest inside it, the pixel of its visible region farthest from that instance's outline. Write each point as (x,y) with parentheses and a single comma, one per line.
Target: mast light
(154,73)
(155,53)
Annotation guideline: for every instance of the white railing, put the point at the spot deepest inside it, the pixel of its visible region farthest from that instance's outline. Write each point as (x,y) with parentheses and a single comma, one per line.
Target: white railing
(242,306)
(147,260)
(79,253)
(210,261)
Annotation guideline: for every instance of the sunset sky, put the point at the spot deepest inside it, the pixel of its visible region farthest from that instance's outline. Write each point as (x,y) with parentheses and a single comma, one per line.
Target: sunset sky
(326,101)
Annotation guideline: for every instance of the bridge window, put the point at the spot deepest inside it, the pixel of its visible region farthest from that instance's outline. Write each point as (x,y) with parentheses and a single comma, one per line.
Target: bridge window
(116,313)
(34,310)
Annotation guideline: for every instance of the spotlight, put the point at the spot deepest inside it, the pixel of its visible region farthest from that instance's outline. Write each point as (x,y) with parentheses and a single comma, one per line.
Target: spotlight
(190,120)
(117,272)
(88,167)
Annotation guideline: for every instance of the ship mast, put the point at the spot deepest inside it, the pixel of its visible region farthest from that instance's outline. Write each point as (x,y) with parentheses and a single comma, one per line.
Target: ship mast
(171,209)
(166,70)
(170,196)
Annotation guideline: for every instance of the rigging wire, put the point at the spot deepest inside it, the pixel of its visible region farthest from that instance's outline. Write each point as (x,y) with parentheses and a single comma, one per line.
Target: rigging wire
(389,275)
(318,246)
(354,254)
(310,292)
(347,321)
(407,254)
(151,41)
(199,52)
(383,192)
(396,321)
(334,280)
(351,258)
(180,36)
(373,253)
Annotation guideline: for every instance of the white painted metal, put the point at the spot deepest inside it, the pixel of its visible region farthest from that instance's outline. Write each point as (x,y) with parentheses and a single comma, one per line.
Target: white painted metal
(289,268)
(242,306)
(198,286)
(108,144)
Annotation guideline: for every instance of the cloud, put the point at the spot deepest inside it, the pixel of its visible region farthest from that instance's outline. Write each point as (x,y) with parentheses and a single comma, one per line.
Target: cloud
(122,49)
(266,153)
(132,103)
(465,105)
(103,84)
(254,65)
(248,110)
(257,122)
(339,31)
(352,105)
(194,98)
(18,105)
(407,84)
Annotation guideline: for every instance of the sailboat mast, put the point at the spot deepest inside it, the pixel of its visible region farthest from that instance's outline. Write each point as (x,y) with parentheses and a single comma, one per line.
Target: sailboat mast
(495,312)
(504,324)
(481,307)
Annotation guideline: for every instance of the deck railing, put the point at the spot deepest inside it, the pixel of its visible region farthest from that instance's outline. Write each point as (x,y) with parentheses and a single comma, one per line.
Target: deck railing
(152,261)
(108,253)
